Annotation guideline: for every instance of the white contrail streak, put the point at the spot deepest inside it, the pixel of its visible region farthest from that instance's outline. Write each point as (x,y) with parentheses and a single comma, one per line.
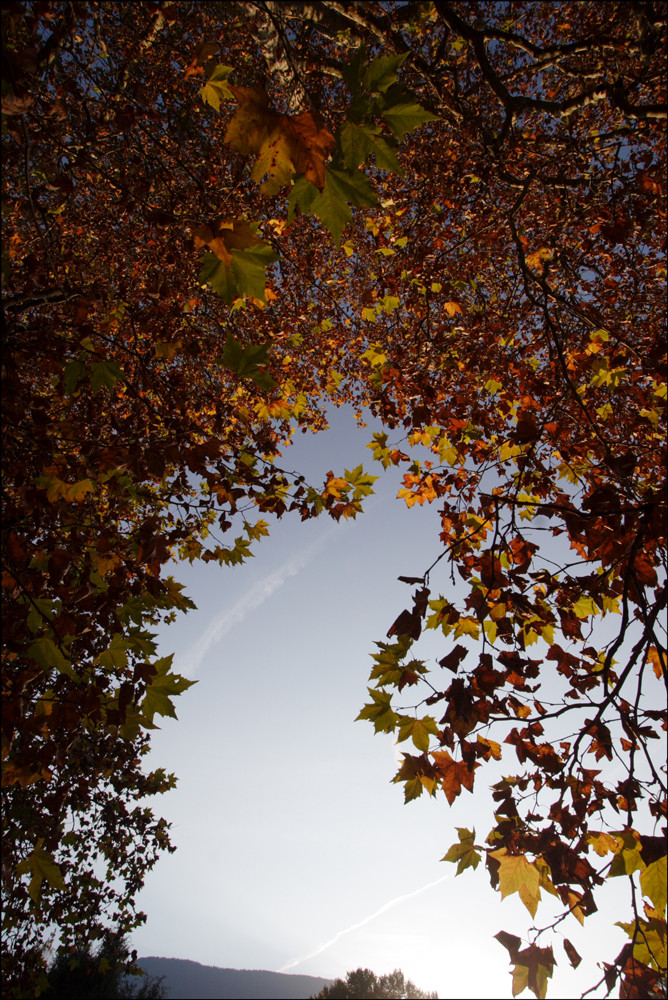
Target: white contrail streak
(361,923)
(248,602)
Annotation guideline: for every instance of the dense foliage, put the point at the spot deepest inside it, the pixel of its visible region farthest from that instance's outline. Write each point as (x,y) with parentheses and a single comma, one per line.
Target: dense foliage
(220,218)
(364,983)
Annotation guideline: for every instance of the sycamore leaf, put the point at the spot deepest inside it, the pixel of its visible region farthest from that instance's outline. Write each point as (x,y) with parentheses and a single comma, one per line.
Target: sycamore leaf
(41,866)
(493,749)
(516,874)
(360,141)
(225,235)
(285,146)
(72,374)
(252,122)
(381,72)
(244,361)
(533,968)
(417,774)
(47,655)
(161,687)
(217,88)
(331,205)
(406,115)
(653,883)
(353,71)
(71,492)
(205,51)
(418,730)
(603,843)
(246,274)
(464,853)
(628,858)
(455,775)
(380,712)
(650,940)
(104,374)
(115,656)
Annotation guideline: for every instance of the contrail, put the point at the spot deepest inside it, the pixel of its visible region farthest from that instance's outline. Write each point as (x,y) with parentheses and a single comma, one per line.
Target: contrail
(248,602)
(254,597)
(361,923)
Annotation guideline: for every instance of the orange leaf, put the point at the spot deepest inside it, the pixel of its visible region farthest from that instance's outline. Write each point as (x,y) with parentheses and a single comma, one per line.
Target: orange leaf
(455,774)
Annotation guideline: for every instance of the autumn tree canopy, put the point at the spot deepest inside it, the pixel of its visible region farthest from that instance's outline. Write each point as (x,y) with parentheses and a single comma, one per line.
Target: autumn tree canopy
(219,220)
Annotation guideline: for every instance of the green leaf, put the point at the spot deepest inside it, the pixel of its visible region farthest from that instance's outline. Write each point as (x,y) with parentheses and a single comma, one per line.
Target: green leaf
(216,87)
(352,73)
(360,141)
(42,866)
(406,115)
(72,373)
(381,73)
(418,730)
(115,656)
(246,274)
(157,700)
(380,712)
(46,654)
(653,883)
(464,853)
(342,188)
(104,374)
(244,361)
(302,196)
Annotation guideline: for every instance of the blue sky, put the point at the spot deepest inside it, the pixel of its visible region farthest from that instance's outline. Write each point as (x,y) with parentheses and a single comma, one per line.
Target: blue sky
(295,850)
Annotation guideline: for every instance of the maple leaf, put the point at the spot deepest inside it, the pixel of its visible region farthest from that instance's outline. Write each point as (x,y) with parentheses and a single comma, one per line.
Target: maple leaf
(160,689)
(419,730)
(464,853)
(359,141)
(331,205)
(245,361)
(217,87)
(239,260)
(455,775)
(380,712)
(653,882)
(41,866)
(517,874)
(285,146)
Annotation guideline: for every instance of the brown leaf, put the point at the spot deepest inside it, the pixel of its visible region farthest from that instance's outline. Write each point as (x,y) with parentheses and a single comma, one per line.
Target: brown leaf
(16,104)
(573,956)
(455,775)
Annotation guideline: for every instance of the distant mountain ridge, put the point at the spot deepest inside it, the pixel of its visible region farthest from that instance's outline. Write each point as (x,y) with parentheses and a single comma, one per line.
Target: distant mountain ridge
(185,980)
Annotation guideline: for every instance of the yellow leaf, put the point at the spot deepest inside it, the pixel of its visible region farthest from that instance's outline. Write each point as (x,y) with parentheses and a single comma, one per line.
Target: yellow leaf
(452,308)
(491,630)
(584,607)
(516,874)
(603,843)
(653,882)
(535,260)
(507,451)
(493,747)
(467,626)
(335,487)
(374,357)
